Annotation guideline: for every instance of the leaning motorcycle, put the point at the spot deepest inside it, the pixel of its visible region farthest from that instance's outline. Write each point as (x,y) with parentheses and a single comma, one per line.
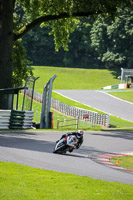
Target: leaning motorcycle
(66,144)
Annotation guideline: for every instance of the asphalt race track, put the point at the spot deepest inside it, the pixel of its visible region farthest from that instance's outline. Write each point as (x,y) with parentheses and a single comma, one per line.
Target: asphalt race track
(35,149)
(101,101)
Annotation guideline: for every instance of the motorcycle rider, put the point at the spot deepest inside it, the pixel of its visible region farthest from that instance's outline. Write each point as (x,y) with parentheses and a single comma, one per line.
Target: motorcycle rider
(78,134)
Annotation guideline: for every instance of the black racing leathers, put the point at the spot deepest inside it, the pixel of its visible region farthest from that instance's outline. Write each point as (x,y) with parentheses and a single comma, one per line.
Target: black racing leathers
(79,136)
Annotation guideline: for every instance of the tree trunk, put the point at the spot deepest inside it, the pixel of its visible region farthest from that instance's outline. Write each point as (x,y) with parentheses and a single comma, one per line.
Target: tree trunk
(6,43)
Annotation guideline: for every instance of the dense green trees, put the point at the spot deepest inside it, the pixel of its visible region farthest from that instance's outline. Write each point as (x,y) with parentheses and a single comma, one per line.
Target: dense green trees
(80,53)
(113,39)
(60,16)
(104,42)
(41,50)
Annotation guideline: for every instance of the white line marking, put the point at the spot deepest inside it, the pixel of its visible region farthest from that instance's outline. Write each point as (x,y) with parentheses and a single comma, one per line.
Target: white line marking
(116,97)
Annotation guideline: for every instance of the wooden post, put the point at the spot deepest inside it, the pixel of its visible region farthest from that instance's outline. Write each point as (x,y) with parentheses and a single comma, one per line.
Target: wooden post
(58,123)
(77,122)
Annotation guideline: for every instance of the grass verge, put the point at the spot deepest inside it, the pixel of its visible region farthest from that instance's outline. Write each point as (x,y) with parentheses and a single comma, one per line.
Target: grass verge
(74,78)
(26,183)
(124,161)
(125,95)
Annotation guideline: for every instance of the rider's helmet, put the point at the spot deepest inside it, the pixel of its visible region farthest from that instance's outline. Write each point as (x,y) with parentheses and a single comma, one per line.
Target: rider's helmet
(80,132)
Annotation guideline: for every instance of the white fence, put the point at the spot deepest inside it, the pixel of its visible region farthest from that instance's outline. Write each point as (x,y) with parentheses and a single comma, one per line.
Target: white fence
(93,117)
(67,122)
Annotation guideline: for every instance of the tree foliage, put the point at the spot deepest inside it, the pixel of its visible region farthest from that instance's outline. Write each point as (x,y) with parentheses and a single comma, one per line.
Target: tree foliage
(40,48)
(60,16)
(104,42)
(112,39)
(21,67)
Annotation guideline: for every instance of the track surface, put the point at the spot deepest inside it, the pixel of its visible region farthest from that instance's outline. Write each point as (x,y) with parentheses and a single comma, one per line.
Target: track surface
(35,149)
(101,101)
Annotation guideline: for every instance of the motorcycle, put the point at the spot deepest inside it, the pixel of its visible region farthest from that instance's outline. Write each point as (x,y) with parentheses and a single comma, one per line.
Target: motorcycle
(66,144)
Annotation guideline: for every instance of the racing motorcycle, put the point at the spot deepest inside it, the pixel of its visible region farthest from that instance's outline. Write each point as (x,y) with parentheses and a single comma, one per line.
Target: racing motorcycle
(66,144)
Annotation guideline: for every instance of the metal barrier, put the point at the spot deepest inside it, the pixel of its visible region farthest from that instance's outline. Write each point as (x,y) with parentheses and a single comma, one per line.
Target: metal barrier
(5,119)
(21,119)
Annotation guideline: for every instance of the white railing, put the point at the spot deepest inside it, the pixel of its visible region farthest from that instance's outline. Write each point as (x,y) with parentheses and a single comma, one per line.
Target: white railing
(82,114)
(75,112)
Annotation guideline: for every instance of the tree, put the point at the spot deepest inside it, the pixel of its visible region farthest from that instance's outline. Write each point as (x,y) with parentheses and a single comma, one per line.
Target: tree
(40,47)
(59,15)
(112,39)
(21,66)
(6,42)
(81,54)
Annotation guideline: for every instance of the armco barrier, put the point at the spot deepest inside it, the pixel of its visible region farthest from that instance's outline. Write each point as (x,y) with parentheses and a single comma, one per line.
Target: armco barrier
(21,119)
(16,119)
(5,119)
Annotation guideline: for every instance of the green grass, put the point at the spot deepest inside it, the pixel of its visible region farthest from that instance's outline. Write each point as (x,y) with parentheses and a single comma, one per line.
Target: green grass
(70,78)
(116,122)
(73,78)
(125,95)
(19,182)
(124,161)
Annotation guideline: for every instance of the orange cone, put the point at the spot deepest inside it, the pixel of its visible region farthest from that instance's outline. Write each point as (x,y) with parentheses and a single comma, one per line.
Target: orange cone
(118,161)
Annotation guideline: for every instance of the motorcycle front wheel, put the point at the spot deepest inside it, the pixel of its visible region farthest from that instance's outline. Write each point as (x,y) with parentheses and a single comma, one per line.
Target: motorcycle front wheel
(60,150)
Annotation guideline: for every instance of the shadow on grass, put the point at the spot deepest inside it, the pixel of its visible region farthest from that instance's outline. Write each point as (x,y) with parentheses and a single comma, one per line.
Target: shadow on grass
(115,72)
